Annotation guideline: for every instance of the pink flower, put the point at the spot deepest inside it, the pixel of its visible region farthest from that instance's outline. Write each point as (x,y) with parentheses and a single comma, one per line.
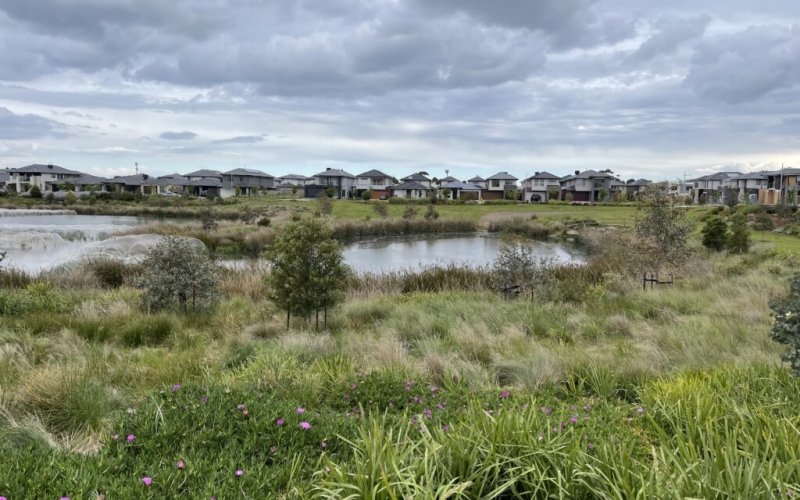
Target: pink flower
(352,386)
(445,428)
(434,388)
(591,446)
(505,394)
(305,425)
(244,412)
(131,437)
(323,444)
(327,469)
(180,464)
(115,437)
(640,411)
(176,387)
(240,407)
(523,407)
(147,481)
(239,473)
(273,449)
(279,422)
(301,410)
(204,399)
(574,420)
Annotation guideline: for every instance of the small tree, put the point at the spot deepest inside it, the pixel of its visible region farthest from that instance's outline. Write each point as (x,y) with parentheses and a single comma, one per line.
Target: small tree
(325,204)
(409,212)
(715,234)
(307,268)
(208,218)
(70,198)
(177,272)
(664,229)
(552,194)
(35,192)
(791,197)
(431,213)
(739,239)
(603,192)
(446,192)
(381,209)
(330,192)
(763,221)
(786,327)
(512,194)
(366,195)
(730,197)
(518,264)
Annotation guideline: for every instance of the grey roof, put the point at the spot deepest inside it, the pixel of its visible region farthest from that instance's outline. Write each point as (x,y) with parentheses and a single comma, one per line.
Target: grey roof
(417,177)
(616,183)
(641,182)
(206,182)
(461,185)
(543,175)
(333,172)
(752,175)
(172,176)
(44,169)
(410,185)
(374,174)
(295,177)
(477,178)
(132,180)
(170,180)
(502,176)
(204,173)
(591,174)
(88,180)
(785,171)
(249,172)
(448,179)
(4,176)
(719,176)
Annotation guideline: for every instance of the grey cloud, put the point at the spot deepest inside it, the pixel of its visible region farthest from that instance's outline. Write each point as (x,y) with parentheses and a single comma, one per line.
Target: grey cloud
(672,32)
(243,139)
(747,65)
(16,127)
(178,136)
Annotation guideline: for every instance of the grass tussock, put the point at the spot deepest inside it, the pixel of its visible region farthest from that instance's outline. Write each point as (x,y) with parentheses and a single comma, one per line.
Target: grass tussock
(349,229)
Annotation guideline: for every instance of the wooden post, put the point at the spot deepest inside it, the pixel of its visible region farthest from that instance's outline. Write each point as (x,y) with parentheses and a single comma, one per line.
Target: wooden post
(326,317)
(288,317)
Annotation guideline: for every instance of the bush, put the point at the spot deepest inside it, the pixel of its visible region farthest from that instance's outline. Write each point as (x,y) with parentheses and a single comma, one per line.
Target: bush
(739,239)
(264,222)
(366,195)
(521,227)
(35,192)
(70,199)
(410,213)
(324,203)
(715,234)
(431,213)
(763,221)
(786,327)
(381,209)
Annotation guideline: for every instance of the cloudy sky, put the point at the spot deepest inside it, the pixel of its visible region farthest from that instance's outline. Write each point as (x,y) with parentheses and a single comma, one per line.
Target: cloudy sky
(654,88)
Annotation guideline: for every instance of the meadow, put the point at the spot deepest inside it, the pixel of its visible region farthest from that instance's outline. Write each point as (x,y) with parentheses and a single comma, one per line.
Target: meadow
(425,385)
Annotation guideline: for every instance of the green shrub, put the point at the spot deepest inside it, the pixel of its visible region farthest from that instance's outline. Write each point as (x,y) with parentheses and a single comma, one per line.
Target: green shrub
(147,330)
(111,273)
(715,234)
(264,222)
(739,239)
(431,213)
(763,221)
(35,192)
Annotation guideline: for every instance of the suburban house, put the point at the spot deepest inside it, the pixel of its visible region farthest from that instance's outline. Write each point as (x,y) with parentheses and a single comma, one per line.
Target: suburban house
(295,180)
(441,182)
(637,187)
(203,174)
(780,183)
(499,184)
(86,183)
(205,186)
(246,182)
(142,183)
(588,185)
(4,178)
(172,183)
(461,191)
(344,183)
(538,186)
(419,178)
(410,189)
(478,181)
(709,187)
(617,189)
(46,177)
(375,181)
(747,185)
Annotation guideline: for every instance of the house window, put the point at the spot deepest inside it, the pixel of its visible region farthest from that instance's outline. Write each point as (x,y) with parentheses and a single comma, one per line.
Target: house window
(377,181)
(509,182)
(495,183)
(581,182)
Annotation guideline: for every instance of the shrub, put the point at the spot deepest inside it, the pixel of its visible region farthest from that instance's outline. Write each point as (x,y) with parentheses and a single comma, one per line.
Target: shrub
(366,195)
(178,273)
(264,222)
(664,228)
(739,239)
(786,327)
(111,273)
(324,203)
(208,218)
(431,213)
(521,227)
(410,213)
(70,198)
(763,221)
(381,209)
(518,264)
(35,192)
(715,234)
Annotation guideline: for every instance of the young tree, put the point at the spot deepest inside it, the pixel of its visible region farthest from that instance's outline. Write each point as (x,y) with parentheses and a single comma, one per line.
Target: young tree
(409,212)
(35,192)
(715,234)
(446,192)
(70,198)
(519,264)
(730,197)
(178,272)
(603,192)
(307,268)
(552,194)
(380,208)
(431,213)
(208,218)
(739,239)
(664,229)
(325,204)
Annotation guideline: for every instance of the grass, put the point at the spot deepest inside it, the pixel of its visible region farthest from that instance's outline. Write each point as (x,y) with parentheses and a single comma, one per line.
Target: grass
(427,385)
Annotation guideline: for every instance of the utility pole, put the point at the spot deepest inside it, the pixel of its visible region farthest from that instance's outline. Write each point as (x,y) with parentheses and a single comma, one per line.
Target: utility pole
(137,167)
(780,191)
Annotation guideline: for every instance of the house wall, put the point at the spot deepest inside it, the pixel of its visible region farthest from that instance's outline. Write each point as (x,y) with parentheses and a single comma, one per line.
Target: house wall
(493,195)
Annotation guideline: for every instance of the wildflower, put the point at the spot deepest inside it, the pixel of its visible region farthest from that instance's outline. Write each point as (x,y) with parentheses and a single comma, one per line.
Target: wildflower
(587,407)
(446,428)
(240,407)
(591,446)
(327,469)
(239,473)
(147,481)
(185,407)
(301,411)
(260,395)
(244,412)
(391,404)
(273,449)
(541,436)
(505,394)
(176,387)
(523,407)
(204,399)
(279,421)
(180,464)
(352,386)
(323,444)
(574,420)
(440,406)
(131,437)
(115,437)
(613,439)
(640,411)
(434,388)
(347,415)
(305,425)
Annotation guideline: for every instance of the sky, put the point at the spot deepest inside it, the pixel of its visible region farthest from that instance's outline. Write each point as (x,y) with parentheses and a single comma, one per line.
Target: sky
(659,89)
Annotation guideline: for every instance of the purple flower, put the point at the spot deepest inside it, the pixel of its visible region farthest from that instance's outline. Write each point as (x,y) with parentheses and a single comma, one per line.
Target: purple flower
(587,407)
(301,410)
(352,386)
(591,446)
(523,406)
(574,420)
(176,387)
(239,473)
(240,407)
(115,437)
(505,394)
(445,428)
(244,412)
(305,425)
(323,444)
(131,437)
(147,481)
(640,411)
(180,464)
(434,388)
(279,422)
(204,399)
(273,449)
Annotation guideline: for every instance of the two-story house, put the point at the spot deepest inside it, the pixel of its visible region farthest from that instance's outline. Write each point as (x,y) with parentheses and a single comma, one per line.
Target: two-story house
(498,186)
(246,182)
(588,185)
(419,178)
(537,188)
(89,183)
(344,183)
(636,188)
(441,182)
(709,187)
(171,183)
(203,174)
(478,181)
(45,177)
(142,183)
(410,189)
(780,183)
(295,180)
(747,185)
(375,181)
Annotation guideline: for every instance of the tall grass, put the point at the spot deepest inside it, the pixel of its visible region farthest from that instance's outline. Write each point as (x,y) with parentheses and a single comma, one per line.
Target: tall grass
(350,229)
(522,227)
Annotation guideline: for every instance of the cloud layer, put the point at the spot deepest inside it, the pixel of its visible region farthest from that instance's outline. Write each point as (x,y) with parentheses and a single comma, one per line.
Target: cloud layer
(467,85)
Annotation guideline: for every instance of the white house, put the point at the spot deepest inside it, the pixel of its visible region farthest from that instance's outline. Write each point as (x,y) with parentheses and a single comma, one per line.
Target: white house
(410,189)
(708,186)
(747,184)
(538,186)
(478,181)
(203,174)
(441,182)
(499,184)
(375,181)
(461,190)
(344,182)
(46,177)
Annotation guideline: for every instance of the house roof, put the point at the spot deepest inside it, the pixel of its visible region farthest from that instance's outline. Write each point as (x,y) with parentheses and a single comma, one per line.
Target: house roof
(249,172)
(4,176)
(463,186)
(641,182)
(417,177)
(502,176)
(374,174)
(448,179)
(543,175)
(409,185)
(752,175)
(477,178)
(295,177)
(616,183)
(132,180)
(172,176)
(785,171)
(88,180)
(170,180)
(719,176)
(333,172)
(206,182)
(44,169)
(204,173)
